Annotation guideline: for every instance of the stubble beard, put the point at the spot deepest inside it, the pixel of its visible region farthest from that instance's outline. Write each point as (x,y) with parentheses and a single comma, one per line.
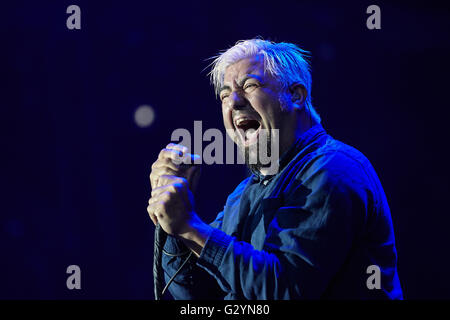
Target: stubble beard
(252,153)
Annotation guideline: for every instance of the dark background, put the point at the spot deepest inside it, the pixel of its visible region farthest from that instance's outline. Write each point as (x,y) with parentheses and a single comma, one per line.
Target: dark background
(75,166)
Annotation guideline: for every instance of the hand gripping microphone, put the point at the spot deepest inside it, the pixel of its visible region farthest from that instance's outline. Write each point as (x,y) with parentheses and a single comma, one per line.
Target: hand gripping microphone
(160,239)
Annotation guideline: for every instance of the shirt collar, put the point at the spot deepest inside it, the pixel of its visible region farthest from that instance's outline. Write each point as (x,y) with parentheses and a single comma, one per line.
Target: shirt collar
(301,142)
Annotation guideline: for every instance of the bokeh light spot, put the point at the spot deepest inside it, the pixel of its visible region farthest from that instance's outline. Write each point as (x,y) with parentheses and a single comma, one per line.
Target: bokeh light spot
(144,116)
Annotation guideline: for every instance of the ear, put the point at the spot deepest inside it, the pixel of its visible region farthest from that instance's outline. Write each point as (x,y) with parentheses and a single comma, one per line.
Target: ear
(298,94)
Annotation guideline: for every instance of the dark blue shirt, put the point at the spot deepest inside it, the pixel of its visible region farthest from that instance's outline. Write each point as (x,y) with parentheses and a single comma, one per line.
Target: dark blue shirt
(317,229)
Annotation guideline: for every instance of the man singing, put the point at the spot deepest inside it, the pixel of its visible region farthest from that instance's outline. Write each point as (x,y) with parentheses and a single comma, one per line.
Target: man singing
(318,227)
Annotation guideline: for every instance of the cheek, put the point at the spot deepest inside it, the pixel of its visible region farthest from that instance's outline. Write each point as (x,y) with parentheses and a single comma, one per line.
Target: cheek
(228,123)
(266,104)
(227,119)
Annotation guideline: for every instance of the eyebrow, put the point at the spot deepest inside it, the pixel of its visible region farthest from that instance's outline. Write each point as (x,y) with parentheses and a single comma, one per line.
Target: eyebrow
(242,81)
(249,76)
(224,88)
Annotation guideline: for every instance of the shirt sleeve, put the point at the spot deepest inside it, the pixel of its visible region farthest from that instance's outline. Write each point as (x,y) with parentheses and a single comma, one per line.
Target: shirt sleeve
(191,282)
(306,242)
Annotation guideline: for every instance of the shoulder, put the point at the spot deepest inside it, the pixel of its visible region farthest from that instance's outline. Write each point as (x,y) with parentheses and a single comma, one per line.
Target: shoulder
(339,165)
(338,175)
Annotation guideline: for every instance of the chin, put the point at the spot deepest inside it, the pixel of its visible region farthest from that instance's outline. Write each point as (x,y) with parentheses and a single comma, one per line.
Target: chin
(252,154)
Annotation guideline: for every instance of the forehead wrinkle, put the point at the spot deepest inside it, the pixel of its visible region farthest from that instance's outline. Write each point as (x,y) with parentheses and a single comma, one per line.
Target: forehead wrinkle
(253,64)
(249,76)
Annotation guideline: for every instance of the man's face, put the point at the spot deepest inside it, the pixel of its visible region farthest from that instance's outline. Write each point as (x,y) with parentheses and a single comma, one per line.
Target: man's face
(252,102)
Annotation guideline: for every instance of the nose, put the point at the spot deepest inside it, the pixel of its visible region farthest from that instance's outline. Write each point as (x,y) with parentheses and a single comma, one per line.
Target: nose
(237,101)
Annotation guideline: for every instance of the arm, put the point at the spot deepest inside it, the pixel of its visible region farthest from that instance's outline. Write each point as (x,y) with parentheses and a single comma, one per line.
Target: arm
(307,241)
(191,282)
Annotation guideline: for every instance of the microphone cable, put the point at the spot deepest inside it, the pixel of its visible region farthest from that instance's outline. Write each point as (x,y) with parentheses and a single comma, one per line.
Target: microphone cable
(158,272)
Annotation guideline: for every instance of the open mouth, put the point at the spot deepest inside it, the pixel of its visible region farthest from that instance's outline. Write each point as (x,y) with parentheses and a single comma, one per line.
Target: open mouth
(247,130)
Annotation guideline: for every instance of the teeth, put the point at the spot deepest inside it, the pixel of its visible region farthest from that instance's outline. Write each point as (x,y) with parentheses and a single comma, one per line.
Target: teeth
(240,120)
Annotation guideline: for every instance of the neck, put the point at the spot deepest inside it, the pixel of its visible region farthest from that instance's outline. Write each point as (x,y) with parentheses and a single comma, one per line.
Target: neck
(302,123)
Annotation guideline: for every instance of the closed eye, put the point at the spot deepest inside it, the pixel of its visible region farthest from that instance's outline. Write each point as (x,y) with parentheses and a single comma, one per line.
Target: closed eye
(250,85)
(223,96)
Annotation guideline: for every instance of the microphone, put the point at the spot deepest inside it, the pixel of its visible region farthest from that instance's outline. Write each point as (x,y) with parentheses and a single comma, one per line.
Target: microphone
(158,273)
(160,240)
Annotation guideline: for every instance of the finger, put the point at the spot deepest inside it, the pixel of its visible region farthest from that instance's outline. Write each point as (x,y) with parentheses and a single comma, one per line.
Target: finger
(160,171)
(191,158)
(163,180)
(165,162)
(152,200)
(157,173)
(168,188)
(158,190)
(171,179)
(175,155)
(188,158)
(178,147)
(153,218)
(179,154)
(152,214)
(157,209)
(161,194)
(159,197)
(174,185)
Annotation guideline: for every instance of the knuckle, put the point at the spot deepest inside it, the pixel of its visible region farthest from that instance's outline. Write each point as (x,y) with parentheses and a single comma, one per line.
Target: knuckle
(170,155)
(177,161)
(165,197)
(182,181)
(165,153)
